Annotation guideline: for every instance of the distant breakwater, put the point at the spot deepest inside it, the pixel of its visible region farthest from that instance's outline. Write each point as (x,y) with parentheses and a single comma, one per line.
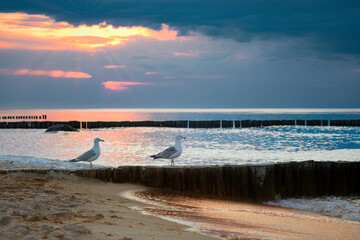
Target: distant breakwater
(242,183)
(181,124)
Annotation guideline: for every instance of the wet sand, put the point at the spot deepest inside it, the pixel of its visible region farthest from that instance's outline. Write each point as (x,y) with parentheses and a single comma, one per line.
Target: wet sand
(234,220)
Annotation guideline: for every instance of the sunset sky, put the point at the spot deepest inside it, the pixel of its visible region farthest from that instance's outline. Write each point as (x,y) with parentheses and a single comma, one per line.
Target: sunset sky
(179,54)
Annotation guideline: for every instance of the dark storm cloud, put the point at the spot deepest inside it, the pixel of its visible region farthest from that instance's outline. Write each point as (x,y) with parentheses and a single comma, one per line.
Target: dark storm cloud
(332,25)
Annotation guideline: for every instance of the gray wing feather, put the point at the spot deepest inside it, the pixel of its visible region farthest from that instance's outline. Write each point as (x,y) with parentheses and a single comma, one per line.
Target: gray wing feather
(167,152)
(86,156)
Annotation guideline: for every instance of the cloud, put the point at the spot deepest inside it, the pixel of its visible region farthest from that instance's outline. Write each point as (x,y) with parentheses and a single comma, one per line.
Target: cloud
(187,54)
(154,73)
(331,23)
(121,86)
(51,73)
(205,77)
(114,66)
(239,56)
(40,32)
(7,45)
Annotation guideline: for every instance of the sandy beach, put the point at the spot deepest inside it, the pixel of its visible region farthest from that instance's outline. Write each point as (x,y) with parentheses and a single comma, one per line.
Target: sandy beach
(57,206)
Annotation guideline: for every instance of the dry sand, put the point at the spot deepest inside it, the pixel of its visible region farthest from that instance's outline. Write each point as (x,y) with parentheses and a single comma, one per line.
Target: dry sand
(57,206)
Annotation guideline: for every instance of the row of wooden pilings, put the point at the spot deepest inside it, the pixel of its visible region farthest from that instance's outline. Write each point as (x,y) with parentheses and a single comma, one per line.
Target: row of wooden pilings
(36,117)
(183,124)
(243,183)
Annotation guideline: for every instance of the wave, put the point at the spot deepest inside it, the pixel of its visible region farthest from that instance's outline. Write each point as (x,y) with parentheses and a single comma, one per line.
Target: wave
(347,208)
(47,163)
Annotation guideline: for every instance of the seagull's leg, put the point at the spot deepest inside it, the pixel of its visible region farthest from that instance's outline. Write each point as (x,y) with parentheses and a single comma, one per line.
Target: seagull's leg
(90,165)
(172,162)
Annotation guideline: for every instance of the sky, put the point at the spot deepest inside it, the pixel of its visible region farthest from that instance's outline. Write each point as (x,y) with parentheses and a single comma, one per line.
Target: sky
(179,54)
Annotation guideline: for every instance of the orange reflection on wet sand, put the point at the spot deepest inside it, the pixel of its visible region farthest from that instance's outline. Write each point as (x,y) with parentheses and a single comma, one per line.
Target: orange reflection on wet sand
(235,220)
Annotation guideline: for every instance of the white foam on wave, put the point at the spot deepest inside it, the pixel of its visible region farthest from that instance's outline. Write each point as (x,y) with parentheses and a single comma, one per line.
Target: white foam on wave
(48,163)
(347,208)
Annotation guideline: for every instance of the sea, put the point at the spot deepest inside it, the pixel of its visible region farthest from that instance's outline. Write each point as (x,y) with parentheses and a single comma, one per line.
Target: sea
(233,146)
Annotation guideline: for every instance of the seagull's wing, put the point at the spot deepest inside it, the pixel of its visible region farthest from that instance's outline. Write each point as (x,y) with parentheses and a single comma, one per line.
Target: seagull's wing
(85,157)
(166,153)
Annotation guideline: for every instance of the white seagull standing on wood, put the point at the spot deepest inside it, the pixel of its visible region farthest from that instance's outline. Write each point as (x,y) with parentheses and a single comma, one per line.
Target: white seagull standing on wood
(90,155)
(171,152)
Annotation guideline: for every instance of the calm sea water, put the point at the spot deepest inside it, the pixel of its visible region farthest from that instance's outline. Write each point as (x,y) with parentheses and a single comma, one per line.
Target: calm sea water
(133,146)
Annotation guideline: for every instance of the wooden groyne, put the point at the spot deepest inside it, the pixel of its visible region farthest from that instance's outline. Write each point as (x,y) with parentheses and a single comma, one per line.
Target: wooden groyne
(245,183)
(180,124)
(12,117)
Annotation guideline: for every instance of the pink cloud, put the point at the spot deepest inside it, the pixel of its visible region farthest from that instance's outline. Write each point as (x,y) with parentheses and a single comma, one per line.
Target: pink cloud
(153,73)
(51,73)
(205,77)
(239,56)
(121,86)
(187,54)
(114,66)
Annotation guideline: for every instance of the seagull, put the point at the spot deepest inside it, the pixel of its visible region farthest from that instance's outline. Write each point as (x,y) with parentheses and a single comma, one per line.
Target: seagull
(171,152)
(90,155)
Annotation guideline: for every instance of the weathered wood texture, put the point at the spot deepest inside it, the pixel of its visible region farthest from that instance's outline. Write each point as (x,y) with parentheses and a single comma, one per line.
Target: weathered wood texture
(256,182)
(249,183)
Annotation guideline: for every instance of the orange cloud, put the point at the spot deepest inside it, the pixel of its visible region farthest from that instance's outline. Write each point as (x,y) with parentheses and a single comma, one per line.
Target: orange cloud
(114,66)
(52,73)
(120,86)
(6,45)
(26,31)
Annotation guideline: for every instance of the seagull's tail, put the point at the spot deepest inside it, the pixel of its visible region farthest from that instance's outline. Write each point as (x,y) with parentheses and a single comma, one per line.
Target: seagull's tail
(73,160)
(154,156)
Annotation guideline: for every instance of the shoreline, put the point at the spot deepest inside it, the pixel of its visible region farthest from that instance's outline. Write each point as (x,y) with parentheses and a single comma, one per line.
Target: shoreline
(244,220)
(55,205)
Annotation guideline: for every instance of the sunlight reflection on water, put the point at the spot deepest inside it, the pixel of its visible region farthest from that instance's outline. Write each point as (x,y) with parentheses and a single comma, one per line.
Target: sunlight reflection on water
(133,146)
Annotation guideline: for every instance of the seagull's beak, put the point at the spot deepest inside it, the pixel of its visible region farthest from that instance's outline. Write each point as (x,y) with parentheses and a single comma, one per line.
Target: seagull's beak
(102,140)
